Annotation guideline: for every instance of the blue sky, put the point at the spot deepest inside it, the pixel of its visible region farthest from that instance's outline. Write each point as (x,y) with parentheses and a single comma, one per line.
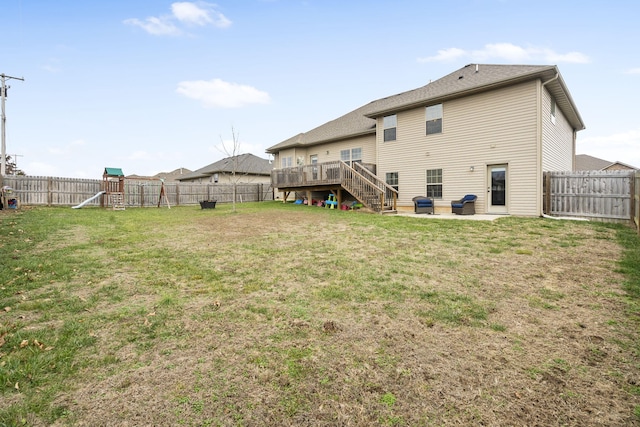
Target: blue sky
(151,86)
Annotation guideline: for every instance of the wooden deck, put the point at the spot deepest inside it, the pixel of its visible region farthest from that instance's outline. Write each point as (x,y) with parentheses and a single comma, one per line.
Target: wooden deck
(360,181)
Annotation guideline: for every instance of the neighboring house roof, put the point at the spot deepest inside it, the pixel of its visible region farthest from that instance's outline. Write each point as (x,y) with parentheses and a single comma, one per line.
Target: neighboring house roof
(167,176)
(471,79)
(173,175)
(245,164)
(585,162)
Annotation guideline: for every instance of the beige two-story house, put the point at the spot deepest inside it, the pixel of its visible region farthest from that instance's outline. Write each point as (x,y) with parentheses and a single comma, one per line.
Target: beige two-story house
(488,130)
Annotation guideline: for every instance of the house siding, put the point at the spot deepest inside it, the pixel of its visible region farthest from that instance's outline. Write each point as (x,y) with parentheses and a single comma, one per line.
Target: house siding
(557,139)
(497,127)
(330,151)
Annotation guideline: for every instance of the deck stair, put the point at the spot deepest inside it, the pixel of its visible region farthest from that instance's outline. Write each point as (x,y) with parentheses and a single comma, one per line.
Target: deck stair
(357,179)
(368,189)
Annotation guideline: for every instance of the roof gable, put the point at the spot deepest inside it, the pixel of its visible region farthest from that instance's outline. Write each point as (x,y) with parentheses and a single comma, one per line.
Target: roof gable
(473,78)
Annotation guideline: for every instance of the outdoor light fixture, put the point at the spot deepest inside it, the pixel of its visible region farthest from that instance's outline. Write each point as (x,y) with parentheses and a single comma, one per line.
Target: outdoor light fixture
(471,169)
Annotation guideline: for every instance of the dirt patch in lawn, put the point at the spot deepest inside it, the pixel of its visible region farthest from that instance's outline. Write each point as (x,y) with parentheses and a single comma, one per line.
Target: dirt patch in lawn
(356,320)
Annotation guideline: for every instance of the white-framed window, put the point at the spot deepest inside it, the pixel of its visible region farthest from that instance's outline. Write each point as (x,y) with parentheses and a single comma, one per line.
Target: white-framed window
(391,179)
(434,183)
(389,124)
(353,155)
(553,111)
(434,119)
(287,162)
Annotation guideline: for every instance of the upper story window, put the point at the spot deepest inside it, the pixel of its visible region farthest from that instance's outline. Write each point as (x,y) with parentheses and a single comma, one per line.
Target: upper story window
(353,155)
(389,124)
(434,119)
(553,111)
(287,162)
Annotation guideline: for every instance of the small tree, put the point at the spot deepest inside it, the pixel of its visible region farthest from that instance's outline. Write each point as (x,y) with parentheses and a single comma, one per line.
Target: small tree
(232,151)
(11,167)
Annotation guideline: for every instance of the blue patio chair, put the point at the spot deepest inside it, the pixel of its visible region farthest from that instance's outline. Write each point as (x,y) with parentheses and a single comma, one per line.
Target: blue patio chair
(422,204)
(464,206)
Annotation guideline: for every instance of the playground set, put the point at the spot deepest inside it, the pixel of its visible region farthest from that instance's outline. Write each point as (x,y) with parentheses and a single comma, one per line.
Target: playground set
(112,192)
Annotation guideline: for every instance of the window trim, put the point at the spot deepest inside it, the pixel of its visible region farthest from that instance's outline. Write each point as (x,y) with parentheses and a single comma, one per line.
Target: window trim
(392,179)
(351,158)
(389,123)
(288,160)
(436,119)
(432,184)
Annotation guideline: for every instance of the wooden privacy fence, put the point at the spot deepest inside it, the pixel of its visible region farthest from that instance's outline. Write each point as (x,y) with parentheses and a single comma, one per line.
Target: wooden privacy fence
(53,191)
(603,195)
(636,202)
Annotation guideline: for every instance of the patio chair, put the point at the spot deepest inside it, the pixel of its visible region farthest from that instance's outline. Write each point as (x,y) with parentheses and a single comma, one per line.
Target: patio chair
(464,206)
(422,204)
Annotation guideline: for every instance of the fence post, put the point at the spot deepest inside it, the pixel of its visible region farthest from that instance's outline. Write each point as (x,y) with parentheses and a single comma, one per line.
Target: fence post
(546,209)
(49,191)
(635,200)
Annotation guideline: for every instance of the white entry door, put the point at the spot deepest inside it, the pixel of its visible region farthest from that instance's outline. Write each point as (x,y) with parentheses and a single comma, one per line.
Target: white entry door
(497,189)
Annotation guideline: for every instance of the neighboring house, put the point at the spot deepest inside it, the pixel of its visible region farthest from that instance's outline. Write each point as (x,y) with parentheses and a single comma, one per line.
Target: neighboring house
(489,130)
(585,162)
(173,175)
(246,167)
(167,176)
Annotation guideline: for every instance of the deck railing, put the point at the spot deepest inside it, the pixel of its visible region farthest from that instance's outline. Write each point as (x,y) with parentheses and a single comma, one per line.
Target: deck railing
(358,180)
(370,189)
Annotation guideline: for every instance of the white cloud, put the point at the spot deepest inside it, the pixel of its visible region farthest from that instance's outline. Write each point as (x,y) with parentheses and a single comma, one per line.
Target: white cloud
(445,55)
(189,13)
(633,71)
(507,52)
(156,26)
(622,147)
(199,14)
(218,93)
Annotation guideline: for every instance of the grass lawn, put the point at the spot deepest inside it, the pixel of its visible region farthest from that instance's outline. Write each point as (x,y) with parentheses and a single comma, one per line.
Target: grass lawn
(293,315)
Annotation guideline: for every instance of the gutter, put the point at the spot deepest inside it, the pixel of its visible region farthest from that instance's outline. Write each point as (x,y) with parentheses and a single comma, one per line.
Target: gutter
(466,92)
(540,137)
(551,79)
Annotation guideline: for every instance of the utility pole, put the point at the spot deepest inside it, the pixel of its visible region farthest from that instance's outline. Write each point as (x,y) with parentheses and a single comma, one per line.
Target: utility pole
(3,95)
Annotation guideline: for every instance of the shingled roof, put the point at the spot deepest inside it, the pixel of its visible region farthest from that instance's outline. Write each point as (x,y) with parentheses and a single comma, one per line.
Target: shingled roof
(471,79)
(584,162)
(246,164)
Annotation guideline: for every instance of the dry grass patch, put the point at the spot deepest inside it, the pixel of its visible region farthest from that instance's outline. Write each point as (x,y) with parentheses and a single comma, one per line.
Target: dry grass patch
(292,315)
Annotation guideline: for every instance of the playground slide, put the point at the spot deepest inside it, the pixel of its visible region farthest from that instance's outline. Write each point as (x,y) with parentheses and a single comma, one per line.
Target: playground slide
(88,200)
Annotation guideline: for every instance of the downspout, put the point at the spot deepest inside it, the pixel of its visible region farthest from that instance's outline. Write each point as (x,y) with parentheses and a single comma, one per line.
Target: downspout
(540,137)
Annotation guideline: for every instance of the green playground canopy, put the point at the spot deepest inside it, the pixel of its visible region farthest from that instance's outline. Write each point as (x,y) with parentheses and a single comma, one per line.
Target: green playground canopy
(113,172)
